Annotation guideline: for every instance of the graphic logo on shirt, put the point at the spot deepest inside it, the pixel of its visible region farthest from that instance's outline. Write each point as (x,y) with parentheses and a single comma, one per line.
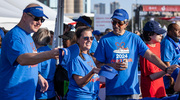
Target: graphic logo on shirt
(121,48)
(34,51)
(95,76)
(90,64)
(33,47)
(121,52)
(30,66)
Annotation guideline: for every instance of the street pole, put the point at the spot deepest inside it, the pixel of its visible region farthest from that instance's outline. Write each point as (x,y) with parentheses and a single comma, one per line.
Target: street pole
(132,22)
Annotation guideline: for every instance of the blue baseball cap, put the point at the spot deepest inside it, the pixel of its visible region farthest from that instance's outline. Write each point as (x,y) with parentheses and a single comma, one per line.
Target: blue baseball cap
(120,14)
(80,19)
(96,32)
(36,11)
(1,33)
(154,26)
(69,54)
(108,72)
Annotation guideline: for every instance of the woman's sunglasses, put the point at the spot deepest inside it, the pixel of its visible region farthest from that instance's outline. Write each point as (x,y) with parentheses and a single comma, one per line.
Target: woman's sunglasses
(87,38)
(36,18)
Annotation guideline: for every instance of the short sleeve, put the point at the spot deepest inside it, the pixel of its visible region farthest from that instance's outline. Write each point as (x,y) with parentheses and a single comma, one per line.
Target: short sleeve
(15,48)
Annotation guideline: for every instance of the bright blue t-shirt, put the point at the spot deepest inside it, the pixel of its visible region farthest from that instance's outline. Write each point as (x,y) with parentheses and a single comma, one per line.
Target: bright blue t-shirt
(168,54)
(17,82)
(168,50)
(113,48)
(47,69)
(81,67)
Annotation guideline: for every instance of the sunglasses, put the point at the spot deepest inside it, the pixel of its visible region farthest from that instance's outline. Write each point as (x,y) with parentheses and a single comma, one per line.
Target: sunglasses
(88,38)
(36,18)
(118,22)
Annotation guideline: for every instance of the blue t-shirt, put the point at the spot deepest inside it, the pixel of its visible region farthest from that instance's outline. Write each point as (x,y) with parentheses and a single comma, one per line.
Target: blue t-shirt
(168,54)
(47,69)
(113,48)
(168,50)
(81,67)
(17,82)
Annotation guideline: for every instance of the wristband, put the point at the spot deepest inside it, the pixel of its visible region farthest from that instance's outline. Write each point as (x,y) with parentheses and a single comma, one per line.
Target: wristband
(166,69)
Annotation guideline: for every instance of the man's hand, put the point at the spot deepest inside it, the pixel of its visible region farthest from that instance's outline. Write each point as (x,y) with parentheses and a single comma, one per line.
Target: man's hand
(172,68)
(119,66)
(55,53)
(43,83)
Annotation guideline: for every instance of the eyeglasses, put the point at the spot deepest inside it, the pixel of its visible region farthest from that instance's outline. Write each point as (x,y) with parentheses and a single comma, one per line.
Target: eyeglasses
(119,22)
(36,18)
(88,38)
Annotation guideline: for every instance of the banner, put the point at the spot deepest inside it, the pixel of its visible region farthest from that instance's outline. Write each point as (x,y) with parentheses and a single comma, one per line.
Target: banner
(102,21)
(161,8)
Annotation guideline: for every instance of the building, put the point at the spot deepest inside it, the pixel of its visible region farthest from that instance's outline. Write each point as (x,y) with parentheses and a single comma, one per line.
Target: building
(70,6)
(46,2)
(113,6)
(99,8)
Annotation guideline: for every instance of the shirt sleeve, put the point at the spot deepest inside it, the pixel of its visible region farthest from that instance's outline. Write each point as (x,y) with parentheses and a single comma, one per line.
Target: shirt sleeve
(166,51)
(76,68)
(141,46)
(15,47)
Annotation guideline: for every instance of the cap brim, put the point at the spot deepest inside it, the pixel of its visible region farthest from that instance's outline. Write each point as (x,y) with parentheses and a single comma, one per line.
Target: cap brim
(69,54)
(108,72)
(76,20)
(160,31)
(63,37)
(117,17)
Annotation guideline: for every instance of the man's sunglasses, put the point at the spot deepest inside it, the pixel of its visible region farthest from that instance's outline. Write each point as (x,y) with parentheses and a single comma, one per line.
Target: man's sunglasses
(119,22)
(36,18)
(87,38)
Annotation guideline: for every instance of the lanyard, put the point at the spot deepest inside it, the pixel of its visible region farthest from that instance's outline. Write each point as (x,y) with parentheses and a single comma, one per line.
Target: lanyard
(177,48)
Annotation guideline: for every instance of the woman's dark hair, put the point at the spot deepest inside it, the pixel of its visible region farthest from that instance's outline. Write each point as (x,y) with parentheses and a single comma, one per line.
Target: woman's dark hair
(147,34)
(78,34)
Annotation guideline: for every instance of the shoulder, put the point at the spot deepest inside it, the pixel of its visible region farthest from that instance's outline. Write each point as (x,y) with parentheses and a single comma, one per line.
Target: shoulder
(166,42)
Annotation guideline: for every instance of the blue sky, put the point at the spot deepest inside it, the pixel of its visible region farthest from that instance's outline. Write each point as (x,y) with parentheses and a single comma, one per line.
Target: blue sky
(126,4)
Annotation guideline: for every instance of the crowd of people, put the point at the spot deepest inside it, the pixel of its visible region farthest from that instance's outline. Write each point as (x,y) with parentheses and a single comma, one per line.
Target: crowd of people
(28,69)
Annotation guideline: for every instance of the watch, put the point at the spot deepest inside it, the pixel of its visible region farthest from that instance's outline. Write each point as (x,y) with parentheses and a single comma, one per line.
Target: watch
(166,69)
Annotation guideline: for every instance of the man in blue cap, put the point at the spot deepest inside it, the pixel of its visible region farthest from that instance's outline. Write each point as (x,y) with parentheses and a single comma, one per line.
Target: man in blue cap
(19,71)
(120,49)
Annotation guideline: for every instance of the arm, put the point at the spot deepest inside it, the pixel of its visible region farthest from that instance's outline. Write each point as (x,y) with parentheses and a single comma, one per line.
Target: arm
(158,62)
(43,83)
(167,63)
(82,81)
(157,75)
(177,83)
(154,59)
(35,58)
(118,65)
